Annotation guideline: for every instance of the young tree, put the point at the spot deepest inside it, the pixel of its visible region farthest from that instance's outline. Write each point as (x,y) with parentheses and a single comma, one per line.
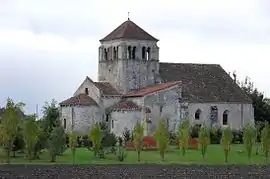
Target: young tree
(96,137)
(162,137)
(204,139)
(226,140)
(73,144)
(9,125)
(138,138)
(30,135)
(249,136)
(183,133)
(55,142)
(265,140)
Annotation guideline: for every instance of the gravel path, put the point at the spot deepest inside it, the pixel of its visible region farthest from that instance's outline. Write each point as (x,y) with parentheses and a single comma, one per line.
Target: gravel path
(132,171)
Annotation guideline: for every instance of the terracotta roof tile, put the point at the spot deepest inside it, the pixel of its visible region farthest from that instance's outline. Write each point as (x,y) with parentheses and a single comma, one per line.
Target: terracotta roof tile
(80,99)
(151,89)
(127,106)
(107,89)
(129,30)
(203,82)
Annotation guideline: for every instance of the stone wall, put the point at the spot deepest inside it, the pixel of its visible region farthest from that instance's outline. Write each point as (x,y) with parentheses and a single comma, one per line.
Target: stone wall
(238,114)
(122,120)
(83,117)
(125,73)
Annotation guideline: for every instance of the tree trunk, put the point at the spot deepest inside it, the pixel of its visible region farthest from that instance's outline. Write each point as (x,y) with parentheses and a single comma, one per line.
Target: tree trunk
(139,156)
(53,158)
(162,155)
(226,152)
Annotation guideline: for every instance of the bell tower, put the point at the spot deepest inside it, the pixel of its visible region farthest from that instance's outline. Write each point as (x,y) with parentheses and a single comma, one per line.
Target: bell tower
(129,58)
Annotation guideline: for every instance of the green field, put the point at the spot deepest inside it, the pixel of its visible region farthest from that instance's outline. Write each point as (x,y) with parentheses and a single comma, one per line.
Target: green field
(214,156)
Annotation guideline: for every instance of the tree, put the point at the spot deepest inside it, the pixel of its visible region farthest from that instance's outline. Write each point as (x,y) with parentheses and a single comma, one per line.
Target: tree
(55,142)
(226,140)
(162,137)
(73,144)
(265,140)
(30,135)
(96,137)
(204,139)
(138,138)
(249,136)
(9,125)
(183,135)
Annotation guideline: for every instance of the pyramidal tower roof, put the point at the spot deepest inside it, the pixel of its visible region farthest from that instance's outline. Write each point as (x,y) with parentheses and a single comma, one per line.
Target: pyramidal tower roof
(128,30)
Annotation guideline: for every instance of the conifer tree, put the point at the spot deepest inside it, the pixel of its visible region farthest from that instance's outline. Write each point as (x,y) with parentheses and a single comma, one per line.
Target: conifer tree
(162,138)
(138,138)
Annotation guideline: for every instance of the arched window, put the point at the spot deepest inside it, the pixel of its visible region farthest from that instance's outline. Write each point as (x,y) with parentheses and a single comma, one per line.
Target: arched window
(148,52)
(114,53)
(65,123)
(143,53)
(129,52)
(105,54)
(133,52)
(198,114)
(225,117)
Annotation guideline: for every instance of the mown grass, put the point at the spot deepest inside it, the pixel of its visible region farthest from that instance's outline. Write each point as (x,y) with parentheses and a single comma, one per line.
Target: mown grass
(214,156)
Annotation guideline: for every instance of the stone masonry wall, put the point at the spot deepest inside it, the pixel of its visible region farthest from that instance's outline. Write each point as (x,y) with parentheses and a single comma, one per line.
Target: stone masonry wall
(122,120)
(238,115)
(83,117)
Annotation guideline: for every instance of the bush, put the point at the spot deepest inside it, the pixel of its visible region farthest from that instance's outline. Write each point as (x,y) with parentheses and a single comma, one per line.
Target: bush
(173,138)
(121,155)
(149,143)
(194,133)
(108,140)
(237,137)
(127,135)
(193,143)
(86,142)
(215,136)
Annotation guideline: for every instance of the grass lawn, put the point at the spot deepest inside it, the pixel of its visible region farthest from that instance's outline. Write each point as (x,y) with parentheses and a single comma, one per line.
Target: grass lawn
(214,156)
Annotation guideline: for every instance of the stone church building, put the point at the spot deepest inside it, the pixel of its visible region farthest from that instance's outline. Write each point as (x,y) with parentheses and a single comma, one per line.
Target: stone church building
(133,85)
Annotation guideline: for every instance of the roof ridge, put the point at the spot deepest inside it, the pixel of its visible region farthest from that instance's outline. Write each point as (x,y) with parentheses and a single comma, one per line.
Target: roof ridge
(173,63)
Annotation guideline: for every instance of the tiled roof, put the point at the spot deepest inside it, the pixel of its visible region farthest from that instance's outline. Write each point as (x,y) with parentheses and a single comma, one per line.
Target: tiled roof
(80,99)
(151,89)
(203,82)
(128,106)
(106,88)
(129,30)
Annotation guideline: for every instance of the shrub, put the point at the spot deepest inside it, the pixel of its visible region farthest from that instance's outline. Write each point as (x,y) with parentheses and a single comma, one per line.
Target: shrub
(127,135)
(215,135)
(237,137)
(173,138)
(249,138)
(149,143)
(193,143)
(195,129)
(120,153)
(86,142)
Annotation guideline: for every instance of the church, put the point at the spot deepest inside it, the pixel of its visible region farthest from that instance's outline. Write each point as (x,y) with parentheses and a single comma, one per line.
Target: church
(133,85)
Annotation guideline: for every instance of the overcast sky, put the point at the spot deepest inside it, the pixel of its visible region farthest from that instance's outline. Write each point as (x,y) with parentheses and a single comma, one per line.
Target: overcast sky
(48,47)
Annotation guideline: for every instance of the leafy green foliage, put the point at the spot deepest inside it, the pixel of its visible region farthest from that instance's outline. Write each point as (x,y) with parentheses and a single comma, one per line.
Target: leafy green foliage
(9,125)
(138,138)
(183,135)
(30,134)
(96,137)
(127,135)
(265,140)
(249,137)
(204,139)
(73,144)
(226,140)
(55,142)
(162,138)
(120,153)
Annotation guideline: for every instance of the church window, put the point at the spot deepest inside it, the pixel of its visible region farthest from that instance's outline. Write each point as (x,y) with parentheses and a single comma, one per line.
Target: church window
(148,53)
(105,54)
(198,114)
(112,123)
(225,118)
(86,91)
(160,109)
(133,52)
(114,53)
(129,52)
(107,117)
(143,53)
(65,123)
